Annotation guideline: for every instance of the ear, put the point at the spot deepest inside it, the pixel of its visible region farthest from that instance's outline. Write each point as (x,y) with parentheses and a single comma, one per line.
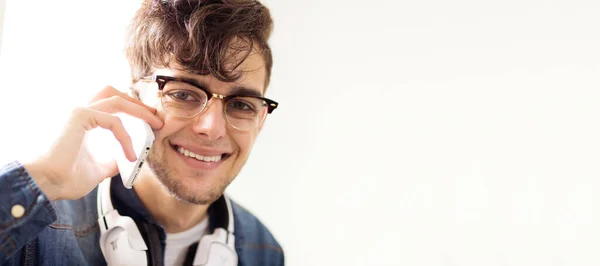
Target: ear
(141,91)
(260,128)
(136,89)
(133,92)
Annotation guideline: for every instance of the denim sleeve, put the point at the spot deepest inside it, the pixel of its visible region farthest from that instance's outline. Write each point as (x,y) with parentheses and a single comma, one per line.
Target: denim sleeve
(18,188)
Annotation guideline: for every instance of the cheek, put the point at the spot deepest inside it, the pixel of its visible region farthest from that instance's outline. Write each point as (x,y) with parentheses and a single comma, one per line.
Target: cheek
(245,142)
(171,125)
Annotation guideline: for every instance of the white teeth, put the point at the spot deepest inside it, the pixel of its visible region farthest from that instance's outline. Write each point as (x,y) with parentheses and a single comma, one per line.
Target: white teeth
(187,153)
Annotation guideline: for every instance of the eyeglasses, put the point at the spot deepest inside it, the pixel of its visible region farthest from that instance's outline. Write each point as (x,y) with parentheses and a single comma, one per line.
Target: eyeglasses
(185,98)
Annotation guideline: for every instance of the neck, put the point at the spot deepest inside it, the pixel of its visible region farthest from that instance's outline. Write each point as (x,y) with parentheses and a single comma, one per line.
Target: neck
(174,215)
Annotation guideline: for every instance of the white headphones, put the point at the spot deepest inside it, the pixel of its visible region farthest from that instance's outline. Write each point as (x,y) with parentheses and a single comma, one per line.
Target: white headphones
(122,244)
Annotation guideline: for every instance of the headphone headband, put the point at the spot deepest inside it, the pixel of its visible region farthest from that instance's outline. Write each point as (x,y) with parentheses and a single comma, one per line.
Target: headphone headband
(221,243)
(104,202)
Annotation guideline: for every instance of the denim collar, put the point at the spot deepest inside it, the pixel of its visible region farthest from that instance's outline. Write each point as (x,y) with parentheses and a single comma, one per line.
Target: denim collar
(127,202)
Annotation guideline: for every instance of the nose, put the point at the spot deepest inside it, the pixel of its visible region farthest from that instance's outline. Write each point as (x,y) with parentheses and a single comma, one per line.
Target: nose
(211,122)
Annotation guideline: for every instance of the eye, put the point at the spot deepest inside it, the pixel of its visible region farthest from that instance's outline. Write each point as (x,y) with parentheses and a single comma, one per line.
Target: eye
(241,105)
(183,95)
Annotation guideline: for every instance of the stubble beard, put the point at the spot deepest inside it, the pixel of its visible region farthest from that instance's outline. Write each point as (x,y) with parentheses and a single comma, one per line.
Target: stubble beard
(170,182)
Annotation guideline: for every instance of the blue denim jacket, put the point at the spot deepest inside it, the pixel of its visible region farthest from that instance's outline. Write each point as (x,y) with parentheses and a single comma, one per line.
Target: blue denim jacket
(67,232)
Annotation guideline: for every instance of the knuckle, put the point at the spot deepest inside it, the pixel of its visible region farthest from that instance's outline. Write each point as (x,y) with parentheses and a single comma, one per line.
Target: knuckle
(80,115)
(78,111)
(116,100)
(116,121)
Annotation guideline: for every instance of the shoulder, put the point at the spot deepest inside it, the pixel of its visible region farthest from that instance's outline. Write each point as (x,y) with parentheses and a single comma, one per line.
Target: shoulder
(253,238)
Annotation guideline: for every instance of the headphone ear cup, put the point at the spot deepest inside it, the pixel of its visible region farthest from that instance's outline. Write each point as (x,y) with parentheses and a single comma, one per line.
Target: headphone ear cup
(122,243)
(214,251)
(118,250)
(221,255)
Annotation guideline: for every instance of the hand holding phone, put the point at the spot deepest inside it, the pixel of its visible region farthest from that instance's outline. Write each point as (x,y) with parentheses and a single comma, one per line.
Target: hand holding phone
(68,170)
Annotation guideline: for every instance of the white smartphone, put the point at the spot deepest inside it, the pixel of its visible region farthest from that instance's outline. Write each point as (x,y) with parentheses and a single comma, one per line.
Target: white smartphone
(142,139)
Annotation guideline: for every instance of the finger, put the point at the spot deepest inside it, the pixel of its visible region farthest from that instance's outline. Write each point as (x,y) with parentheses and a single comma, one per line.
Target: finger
(114,124)
(109,92)
(117,104)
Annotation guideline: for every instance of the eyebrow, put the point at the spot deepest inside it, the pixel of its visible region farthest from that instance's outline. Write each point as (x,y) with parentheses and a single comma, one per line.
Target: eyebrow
(237,90)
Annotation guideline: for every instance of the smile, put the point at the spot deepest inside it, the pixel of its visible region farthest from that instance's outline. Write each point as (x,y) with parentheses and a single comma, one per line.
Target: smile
(190,154)
(203,159)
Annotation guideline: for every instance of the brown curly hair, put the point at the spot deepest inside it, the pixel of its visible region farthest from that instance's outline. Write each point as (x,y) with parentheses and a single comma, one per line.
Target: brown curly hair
(203,36)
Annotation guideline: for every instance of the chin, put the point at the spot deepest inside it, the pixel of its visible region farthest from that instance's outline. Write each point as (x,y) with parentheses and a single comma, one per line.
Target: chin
(192,191)
(187,183)
(193,188)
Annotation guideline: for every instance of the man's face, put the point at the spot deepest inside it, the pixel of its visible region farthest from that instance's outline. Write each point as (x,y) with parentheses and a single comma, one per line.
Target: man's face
(207,134)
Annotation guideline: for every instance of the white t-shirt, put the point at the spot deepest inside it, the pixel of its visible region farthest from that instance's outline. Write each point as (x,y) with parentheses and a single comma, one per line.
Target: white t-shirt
(177,244)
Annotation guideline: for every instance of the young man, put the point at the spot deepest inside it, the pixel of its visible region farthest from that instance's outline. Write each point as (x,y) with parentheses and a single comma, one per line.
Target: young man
(199,71)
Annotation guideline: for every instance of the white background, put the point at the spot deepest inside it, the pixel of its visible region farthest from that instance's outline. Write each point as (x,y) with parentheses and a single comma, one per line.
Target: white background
(409,132)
